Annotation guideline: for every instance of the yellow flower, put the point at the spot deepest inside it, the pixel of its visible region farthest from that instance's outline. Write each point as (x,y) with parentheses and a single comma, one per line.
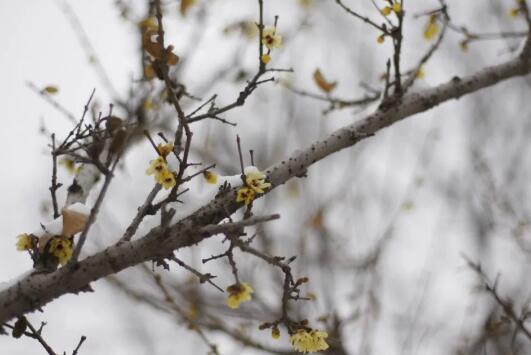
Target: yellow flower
(432,28)
(306,3)
(420,74)
(397,7)
(464,45)
(150,105)
(270,38)
(70,165)
(514,12)
(380,39)
(275,333)
(210,177)
(238,293)
(254,179)
(62,249)
(265,58)
(156,166)
(245,195)
(149,23)
(51,89)
(166,179)
(165,149)
(309,340)
(24,242)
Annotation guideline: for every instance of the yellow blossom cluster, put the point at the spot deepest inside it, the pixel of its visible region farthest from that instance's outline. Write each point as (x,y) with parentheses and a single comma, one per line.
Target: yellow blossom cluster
(210,177)
(62,249)
(238,293)
(24,242)
(395,7)
(271,39)
(159,167)
(309,340)
(275,333)
(432,28)
(306,3)
(54,245)
(515,11)
(254,184)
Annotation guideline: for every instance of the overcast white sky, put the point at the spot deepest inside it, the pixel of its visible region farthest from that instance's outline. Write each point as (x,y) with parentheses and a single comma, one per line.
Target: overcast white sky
(39,47)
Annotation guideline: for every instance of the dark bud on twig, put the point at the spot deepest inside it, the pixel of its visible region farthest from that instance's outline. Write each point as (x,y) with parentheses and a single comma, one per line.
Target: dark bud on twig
(95,149)
(265,326)
(302,280)
(113,124)
(20,327)
(118,141)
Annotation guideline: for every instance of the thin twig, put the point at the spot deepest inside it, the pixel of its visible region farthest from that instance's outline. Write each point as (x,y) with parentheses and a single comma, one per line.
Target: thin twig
(81,341)
(142,212)
(54,186)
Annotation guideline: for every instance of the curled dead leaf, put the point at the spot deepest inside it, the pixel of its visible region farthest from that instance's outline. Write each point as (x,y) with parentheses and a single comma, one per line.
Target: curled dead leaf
(322,83)
(73,222)
(154,49)
(185,6)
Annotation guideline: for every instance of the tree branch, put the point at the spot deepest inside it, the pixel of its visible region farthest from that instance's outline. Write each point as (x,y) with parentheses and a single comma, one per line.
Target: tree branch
(38,289)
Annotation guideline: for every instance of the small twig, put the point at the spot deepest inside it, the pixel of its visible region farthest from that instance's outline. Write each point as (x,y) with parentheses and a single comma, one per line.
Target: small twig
(81,341)
(37,335)
(202,277)
(233,226)
(89,49)
(142,212)
(491,289)
(240,155)
(146,133)
(94,211)
(52,102)
(397,44)
(174,307)
(54,186)
(336,102)
(363,18)
(433,48)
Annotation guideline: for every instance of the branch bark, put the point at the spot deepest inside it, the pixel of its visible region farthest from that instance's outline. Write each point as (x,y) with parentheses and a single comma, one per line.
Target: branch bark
(37,289)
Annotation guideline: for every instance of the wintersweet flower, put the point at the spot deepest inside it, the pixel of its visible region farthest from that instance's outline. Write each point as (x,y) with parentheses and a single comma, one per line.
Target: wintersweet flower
(270,38)
(255,179)
(238,293)
(432,28)
(396,7)
(61,248)
(265,58)
(210,177)
(306,3)
(245,195)
(165,149)
(156,166)
(275,333)
(166,179)
(309,340)
(24,242)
